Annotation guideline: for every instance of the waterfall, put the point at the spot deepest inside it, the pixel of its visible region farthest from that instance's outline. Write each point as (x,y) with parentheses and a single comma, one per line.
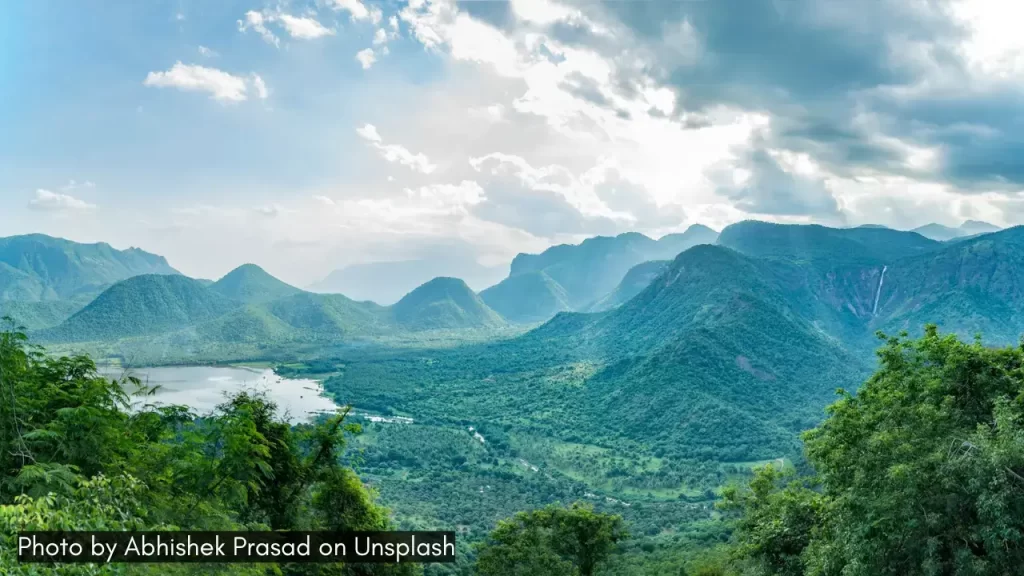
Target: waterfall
(881,280)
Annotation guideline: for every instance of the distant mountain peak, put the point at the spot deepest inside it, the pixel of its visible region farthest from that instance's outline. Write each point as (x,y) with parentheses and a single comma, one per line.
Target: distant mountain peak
(444,303)
(251,284)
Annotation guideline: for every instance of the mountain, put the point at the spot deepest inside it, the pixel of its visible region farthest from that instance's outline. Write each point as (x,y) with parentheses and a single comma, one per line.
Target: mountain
(527,297)
(814,243)
(710,361)
(592,269)
(251,284)
(638,278)
(142,305)
(386,282)
(37,267)
(443,304)
(671,245)
(302,317)
(971,286)
(945,233)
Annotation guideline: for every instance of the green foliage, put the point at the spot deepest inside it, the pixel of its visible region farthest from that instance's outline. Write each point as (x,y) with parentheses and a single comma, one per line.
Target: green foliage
(78,452)
(551,541)
(37,315)
(920,473)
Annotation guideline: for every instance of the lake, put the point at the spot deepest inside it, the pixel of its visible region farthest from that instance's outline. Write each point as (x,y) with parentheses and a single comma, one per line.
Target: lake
(204,387)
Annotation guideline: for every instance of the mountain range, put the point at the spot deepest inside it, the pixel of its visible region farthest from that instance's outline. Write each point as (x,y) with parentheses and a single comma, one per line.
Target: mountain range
(845,282)
(36,268)
(575,277)
(945,233)
(729,352)
(727,348)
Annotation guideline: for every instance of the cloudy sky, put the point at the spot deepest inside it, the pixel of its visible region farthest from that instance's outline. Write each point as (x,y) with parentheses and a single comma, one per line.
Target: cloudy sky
(308,135)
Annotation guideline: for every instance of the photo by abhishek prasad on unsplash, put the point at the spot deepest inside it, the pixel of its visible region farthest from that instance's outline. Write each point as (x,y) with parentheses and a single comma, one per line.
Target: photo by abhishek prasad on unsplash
(511,287)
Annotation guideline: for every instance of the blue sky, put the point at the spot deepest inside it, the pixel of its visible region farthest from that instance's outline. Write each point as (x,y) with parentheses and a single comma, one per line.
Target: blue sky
(306,136)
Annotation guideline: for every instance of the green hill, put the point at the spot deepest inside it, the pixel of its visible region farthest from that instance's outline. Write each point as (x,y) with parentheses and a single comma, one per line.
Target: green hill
(638,278)
(443,304)
(142,305)
(37,267)
(300,318)
(251,284)
(527,297)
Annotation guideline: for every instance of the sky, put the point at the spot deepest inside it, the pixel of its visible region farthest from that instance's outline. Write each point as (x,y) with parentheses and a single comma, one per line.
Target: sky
(305,136)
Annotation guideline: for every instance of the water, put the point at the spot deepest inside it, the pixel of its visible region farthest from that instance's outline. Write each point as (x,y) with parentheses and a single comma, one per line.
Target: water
(202,388)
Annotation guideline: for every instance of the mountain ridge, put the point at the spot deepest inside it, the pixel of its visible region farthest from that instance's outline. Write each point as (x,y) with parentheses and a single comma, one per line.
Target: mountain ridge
(37,267)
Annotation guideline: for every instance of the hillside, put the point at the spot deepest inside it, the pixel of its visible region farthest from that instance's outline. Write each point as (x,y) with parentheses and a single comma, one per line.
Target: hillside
(592,269)
(37,267)
(142,305)
(527,297)
(443,304)
(638,278)
(976,285)
(251,284)
(708,362)
(39,315)
(814,243)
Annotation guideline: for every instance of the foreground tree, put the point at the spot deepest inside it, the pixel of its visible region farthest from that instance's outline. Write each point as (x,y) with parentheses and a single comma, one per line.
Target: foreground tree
(571,541)
(77,452)
(920,473)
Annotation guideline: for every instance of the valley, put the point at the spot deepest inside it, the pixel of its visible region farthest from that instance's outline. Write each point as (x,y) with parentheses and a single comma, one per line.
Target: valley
(642,376)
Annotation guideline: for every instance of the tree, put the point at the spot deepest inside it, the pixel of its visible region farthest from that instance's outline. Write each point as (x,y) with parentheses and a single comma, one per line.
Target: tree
(551,541)
(77,454)
(920,473)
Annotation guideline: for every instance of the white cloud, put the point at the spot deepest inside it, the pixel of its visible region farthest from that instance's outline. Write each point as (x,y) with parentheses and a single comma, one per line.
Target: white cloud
(257,22)
(260,86)
(357,10)
(395,153)
(324,200)
(369,132)
(194,78)
(206,52)
(447,197)
(48,201)
(300,27)
(393,22)
(304,27)
(366,58)
(380,37)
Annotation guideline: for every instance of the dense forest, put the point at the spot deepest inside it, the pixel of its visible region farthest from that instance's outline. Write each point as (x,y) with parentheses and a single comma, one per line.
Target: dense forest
(920,472)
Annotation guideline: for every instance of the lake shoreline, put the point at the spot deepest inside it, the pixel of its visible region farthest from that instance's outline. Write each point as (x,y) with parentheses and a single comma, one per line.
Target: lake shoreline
(203,388)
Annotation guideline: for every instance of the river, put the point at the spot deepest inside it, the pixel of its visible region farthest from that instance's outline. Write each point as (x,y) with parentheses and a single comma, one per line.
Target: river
(204,387)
